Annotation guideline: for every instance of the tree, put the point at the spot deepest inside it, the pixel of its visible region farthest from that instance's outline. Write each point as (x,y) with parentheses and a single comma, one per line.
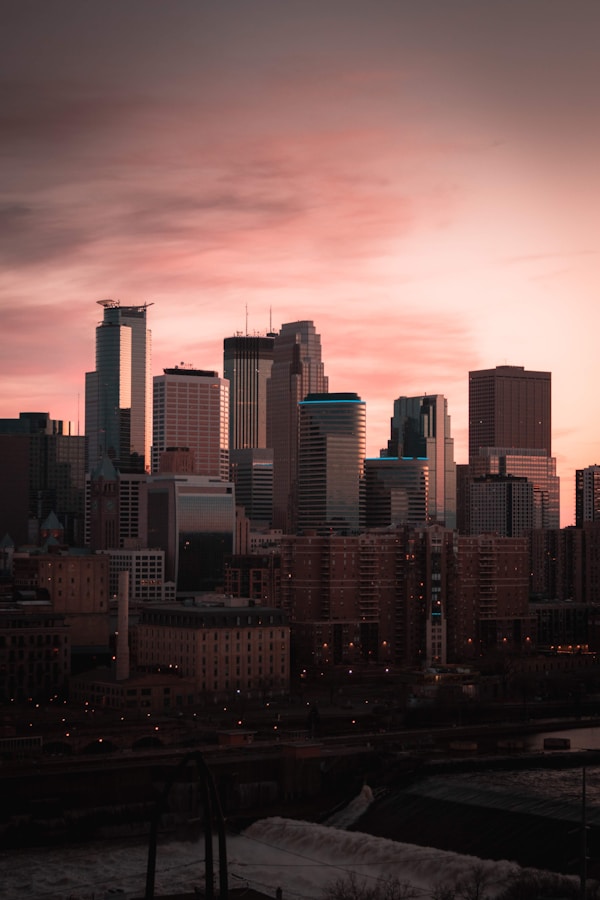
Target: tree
(351,887)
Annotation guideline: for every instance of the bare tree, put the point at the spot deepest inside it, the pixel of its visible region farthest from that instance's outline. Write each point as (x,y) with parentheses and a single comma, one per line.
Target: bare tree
(351,887)
(473,885)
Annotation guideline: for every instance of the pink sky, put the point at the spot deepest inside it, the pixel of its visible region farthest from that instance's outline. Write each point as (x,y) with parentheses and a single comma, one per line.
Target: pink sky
(420,179)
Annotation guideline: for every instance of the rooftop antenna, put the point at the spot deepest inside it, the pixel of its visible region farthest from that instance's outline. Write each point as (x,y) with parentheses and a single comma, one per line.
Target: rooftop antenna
(246,320)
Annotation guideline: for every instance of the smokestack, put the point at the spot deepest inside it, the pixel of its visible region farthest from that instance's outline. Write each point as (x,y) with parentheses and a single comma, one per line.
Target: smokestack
(123,628)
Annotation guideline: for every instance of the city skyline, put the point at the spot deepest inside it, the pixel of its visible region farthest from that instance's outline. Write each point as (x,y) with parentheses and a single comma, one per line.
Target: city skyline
(417,179)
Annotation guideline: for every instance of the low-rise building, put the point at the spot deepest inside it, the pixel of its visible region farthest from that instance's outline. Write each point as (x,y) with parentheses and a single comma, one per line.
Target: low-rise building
(225,650)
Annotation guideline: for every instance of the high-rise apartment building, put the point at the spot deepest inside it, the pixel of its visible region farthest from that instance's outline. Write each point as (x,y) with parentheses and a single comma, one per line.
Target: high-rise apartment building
(509,407)
(501,505)
(297,371)
(420,429)
(118,394)
(331,452)
(247,362)
(191,411)
(587,495)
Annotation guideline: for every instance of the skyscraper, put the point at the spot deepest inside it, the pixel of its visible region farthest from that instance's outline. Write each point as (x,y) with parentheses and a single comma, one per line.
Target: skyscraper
(421,430)
(247,362)
(536,467)
(501,505)
(587,495)
(396,492)
(43,471)
(331,451)
(509,407)
(191,411)
(118,394)
(297,371)
(510,435)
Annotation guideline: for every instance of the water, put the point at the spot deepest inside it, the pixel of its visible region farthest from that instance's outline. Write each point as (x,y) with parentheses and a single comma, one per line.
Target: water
(580,738)
(300,857)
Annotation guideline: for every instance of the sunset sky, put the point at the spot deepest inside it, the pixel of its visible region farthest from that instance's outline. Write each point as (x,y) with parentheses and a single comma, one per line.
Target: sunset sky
(419,177)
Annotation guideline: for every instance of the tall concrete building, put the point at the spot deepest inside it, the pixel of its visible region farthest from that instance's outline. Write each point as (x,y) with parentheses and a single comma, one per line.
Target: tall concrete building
(587,495)
(247,362)
(191,412)
(297,371)
(420,429)
(118,394)
(510,435)
(331,452)
(509,407)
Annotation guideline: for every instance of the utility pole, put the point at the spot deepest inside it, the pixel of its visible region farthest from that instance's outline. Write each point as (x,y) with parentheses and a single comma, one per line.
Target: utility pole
(583,870)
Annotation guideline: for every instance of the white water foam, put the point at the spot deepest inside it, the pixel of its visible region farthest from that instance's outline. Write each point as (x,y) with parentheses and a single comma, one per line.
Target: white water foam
(300,857)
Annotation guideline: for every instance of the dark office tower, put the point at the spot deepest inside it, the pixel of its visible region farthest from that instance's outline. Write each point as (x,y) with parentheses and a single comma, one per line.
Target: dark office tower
(331,451)
(43,472)
(297,371)
(421,430)
(510,435)
(118,395)
(396,492)
(587,495)
(252,474)
(509,407)
(540,471)
(501,505)
(247,361)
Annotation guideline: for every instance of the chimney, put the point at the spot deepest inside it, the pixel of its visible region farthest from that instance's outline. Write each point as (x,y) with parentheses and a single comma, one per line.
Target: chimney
(123,628)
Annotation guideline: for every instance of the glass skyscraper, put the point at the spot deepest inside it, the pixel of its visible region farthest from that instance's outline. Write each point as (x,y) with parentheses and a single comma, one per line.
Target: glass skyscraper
(331,451)
(118,394)
(421,430)
(297,371)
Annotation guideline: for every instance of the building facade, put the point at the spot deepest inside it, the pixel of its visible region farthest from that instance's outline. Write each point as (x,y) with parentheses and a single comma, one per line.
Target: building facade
(510,407)
(118,394)
(396,492)
(76,588)
(252,474)
(331,452)
(502,505)
(193,519)
(420,429)
(223,650)
(43,471)
(510,435)
(35,653)
(297,370)
(247,362)
(536,467)
(191,410)
(587,495)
